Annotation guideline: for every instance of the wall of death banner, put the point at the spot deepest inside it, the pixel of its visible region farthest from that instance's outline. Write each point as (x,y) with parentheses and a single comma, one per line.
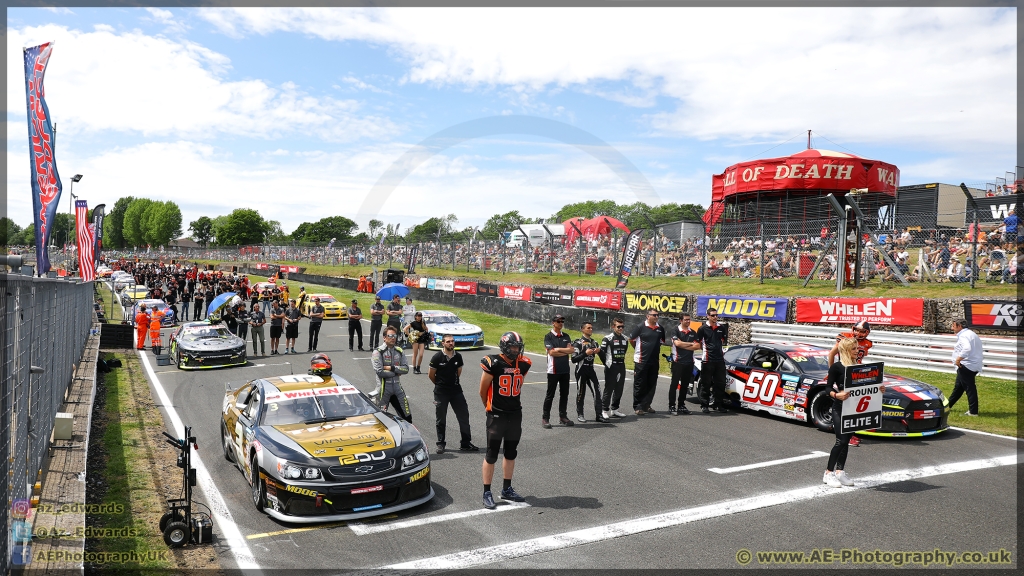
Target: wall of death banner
(880,311)
(993,314)
(552,296)
(744,307)
(862,409)
(641,302)
(598,299)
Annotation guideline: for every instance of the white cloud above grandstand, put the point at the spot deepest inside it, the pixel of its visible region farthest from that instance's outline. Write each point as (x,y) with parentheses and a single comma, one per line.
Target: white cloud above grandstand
(298,112)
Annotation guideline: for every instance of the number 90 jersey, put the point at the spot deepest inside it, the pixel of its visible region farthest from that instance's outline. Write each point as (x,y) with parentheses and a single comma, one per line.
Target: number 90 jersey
(506,382)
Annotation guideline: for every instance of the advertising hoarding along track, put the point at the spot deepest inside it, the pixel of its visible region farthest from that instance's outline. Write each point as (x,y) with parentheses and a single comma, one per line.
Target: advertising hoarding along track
(641,302)
(744,307)
(607,299)
(880,311)
(993,314)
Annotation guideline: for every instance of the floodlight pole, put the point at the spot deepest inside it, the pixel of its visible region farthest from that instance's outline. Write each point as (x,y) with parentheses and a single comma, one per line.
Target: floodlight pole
(885,255)
(974,240)
(840,240)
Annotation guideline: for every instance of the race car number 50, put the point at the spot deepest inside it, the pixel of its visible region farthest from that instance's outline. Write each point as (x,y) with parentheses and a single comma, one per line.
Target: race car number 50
(761,387)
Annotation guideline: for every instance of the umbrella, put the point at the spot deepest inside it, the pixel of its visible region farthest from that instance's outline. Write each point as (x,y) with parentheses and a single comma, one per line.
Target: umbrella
(219,302)
(388,291)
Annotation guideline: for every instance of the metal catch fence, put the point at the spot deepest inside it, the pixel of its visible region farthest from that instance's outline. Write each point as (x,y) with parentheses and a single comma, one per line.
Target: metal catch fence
(47,323)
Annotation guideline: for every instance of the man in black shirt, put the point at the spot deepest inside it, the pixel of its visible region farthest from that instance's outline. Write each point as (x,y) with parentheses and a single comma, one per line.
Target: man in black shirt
(559,348)
(316,321)
(584,351)
(613,355)
(376,313)
(256,321)
(712,338)
(647,340)
(355,325)
(444,371)
(682,363)
(394,312)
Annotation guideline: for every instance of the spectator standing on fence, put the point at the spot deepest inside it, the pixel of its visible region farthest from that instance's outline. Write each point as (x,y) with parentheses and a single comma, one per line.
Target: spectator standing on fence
(256,321)
(968,359)
(613,355)
(683,346)
(647,340)
(376,316)
(559,348)
(712,339)
(291,332)
(355,325)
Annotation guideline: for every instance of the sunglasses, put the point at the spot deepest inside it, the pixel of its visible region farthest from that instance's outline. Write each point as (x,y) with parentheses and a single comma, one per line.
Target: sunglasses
(390,336)
(712,315)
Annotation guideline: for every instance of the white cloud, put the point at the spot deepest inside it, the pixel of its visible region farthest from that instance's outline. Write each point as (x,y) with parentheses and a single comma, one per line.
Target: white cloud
(896,74)
(154,86)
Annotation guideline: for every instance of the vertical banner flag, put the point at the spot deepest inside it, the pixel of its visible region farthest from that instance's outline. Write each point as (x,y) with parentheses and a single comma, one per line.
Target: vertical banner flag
(331,243)
(629,254)
(97,220)
(46,187)
(86,263)
(412,259)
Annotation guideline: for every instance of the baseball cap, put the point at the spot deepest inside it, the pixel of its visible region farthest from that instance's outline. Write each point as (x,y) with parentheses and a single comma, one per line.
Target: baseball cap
(353,300)
(863,325)
(558,317)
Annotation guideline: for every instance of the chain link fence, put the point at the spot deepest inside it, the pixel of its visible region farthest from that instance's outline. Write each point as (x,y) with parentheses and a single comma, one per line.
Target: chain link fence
(47,323)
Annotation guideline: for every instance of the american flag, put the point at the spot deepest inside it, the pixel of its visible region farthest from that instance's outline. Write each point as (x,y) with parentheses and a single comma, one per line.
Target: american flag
(86,242)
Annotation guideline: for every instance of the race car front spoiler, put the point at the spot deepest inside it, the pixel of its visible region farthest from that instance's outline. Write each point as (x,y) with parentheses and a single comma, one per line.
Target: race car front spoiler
(349,516)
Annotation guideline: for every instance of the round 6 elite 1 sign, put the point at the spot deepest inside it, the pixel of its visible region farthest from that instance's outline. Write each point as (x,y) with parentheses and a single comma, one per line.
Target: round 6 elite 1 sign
(862,409)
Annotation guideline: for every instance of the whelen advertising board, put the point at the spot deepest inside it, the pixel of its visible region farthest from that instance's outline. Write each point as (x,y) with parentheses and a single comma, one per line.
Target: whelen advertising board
(552,296)
(641,302)
(744,307)
(514,292)
(879,311)
(598,299)
(993,314)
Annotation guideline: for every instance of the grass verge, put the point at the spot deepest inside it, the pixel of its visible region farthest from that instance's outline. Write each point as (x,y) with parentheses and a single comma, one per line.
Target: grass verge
(131,470)
(997,397)
(787,287)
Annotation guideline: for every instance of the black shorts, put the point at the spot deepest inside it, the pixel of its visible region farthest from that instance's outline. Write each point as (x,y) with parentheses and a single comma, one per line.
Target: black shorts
(507,427)
(275,332)
(292,331)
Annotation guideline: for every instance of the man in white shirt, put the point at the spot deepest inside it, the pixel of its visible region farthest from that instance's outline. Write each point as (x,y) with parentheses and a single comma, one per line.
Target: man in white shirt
(967,356)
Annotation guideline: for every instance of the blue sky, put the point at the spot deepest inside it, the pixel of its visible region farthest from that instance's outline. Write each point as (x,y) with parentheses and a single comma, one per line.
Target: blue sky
(298,112)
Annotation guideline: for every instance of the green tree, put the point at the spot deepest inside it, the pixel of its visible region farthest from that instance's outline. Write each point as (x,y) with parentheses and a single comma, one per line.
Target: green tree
(373,227)
(11,232)
(499,223)
(202,230)
(588,209)
(243,226)
(28,236)
(218,225)
(300,231)
(113,224)
(676,212)
(134,224)
(162,223)
(324,229)
(430,229)
(275,234)
(63,228)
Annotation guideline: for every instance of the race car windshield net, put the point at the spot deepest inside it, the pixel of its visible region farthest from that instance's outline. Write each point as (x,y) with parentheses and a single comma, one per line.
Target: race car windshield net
(808,363)
(321,409)
(210,332)
(444,319)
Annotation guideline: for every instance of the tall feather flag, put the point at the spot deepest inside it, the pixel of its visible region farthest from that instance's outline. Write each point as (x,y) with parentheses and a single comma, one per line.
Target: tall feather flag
(86,261)
(629,253)
(46,186)
(97,221)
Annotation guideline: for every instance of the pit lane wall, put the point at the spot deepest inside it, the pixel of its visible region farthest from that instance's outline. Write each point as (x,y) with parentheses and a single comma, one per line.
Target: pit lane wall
(540,303)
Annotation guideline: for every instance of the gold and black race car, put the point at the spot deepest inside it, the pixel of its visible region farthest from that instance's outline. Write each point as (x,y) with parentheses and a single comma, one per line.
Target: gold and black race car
(316,449)
(332,308)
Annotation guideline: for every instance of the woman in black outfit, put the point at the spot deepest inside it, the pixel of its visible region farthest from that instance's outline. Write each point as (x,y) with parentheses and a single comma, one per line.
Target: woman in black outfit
(835,473)
(420,342)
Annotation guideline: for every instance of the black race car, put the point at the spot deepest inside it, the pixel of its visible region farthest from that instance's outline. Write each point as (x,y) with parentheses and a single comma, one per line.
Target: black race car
(206,344)
(315,449)
(788,380)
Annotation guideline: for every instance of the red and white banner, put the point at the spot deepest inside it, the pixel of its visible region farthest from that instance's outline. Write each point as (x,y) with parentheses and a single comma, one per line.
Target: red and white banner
(289,269)
(881,311)
(515,292)
(261,266)
(465,287)
(86,243)
(598,299)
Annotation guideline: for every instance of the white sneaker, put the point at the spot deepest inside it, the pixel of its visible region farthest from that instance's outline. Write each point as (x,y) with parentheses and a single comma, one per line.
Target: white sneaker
(618,414)
(968,413)
(843,478)
(606,415)
(831,480)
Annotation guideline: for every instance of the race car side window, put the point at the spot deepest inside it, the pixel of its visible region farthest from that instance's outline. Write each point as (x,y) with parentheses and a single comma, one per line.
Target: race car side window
(764,356)
(253,406)
(737,354)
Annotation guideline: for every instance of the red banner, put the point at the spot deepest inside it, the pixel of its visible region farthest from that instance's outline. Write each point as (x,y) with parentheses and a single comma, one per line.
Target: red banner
(261,266)
(808,170)
(598,299)
(514,292)
(465,287)
(880,311)
(290,269)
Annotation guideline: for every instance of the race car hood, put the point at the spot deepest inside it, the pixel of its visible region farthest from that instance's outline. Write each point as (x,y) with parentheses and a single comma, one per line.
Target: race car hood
(912,389)
(355,435)
(211,343)
(455,329)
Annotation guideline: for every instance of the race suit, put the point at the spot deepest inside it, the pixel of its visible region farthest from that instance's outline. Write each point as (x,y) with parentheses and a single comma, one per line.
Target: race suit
(585,375)
(613,356)
(390,387)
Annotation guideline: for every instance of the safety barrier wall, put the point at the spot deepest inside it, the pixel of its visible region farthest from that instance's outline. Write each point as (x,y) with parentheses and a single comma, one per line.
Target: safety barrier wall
(46,325)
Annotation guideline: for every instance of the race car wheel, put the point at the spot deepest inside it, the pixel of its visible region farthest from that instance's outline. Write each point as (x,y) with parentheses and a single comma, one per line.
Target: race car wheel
(176,534)
(259,490)
(226,442)
(821,410)
(176,516)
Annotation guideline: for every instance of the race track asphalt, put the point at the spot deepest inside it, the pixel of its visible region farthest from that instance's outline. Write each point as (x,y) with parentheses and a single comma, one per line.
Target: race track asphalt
(637,493)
